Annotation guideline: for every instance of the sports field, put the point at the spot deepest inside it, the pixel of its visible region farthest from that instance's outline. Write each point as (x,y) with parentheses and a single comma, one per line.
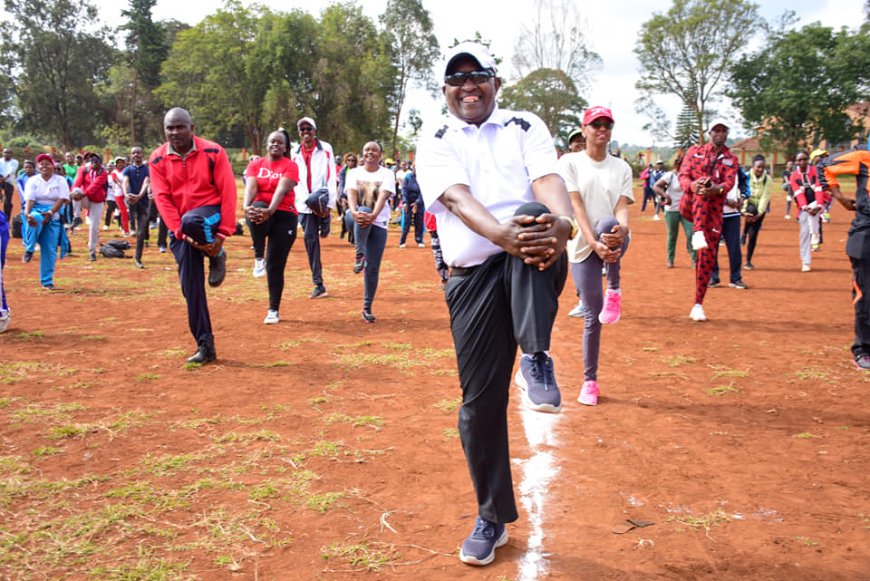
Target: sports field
(326,448)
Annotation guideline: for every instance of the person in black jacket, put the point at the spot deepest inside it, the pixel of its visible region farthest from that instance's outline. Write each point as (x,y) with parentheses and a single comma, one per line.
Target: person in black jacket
(412,202)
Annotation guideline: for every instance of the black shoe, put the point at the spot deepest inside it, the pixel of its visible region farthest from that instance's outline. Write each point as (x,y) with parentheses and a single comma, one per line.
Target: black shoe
(319,292)
(360,264)
(713,284)
(204,353)
(138,263)
(28,256)
(77,221)
(92,256)
(217,269)
(367,316)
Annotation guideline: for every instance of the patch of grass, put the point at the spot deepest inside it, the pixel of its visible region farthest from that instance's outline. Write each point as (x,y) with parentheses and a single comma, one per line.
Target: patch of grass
(263,491)
(323,502)
(146,568)
(449,433)
(93,337)
(842,428)
(247,438)
(279,363)
(811,373)
(677,360)
(319,400)
(722,390)
(166,465)
(650,349)
(398,346)
(807,541)
(806,436)
(351,360)
(667,375)
(5,402)
(191,366)
(706,522)
(34,412)
(449,405)
(729,373)
(46,451)
(326,448)
(356,421)
(68,431)
(173,352)
(13,466)
(444,372)
(16,371)
(148,377)
(362,556)
(29,336)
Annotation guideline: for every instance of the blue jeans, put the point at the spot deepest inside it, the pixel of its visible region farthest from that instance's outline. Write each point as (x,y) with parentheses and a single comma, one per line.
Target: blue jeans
(376,241)
(731,236)
(360,234)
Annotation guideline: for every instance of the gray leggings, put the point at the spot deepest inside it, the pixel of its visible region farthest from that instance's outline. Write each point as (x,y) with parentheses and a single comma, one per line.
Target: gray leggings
(587,281)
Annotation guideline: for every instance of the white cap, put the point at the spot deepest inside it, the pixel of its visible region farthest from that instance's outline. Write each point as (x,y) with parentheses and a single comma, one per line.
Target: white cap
(308,120)
(719,121)
(472,49)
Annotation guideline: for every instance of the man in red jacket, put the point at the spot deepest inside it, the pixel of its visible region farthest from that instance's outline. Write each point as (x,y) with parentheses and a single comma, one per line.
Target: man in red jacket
(193,186)
(90,188)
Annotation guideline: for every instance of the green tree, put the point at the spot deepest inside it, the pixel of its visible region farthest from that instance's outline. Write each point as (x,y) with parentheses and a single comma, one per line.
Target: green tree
(213,71)
(57,53)
(414,51)
(800,83)
(146,51)
(688,50)
(551,95)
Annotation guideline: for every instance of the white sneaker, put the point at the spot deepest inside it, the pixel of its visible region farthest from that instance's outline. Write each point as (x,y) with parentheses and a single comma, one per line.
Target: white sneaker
(699,242)
(814,239)
(805,268)
(5,319)
(271,318)
(697,313)
(105,227)
(260,269)
(577,312)
(656,217)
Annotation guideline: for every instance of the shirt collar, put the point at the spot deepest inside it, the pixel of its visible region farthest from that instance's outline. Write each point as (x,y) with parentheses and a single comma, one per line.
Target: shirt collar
(497,117)
(171,151)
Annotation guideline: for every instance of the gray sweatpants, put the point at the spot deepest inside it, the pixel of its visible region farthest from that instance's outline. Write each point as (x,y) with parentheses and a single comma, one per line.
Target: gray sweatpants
(587,281)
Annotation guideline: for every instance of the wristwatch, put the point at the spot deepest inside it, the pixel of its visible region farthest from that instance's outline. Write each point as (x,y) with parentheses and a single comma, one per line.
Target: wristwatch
(575,227)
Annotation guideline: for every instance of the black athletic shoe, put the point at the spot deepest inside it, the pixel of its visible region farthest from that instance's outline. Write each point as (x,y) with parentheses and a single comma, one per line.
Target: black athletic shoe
(28,256)
(367,316)
(217,269)
(205,352)
(319,292)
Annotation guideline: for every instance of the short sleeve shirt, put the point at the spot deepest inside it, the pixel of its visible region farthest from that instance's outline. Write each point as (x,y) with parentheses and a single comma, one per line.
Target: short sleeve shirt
(600,184)
(135,175)
(268,173)
(367,185)
(498,161)
(46,193)
(675,193)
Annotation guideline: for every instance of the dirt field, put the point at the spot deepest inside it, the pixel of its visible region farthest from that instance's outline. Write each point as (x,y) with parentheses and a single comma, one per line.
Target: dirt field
(326,448)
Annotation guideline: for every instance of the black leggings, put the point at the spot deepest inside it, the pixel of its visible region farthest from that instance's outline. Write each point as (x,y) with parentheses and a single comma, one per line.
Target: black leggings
(280,229)
(750,231)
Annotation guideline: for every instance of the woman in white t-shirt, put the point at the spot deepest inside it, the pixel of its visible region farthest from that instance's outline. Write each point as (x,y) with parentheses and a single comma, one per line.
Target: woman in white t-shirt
(44,196)
(668,189)
(368,187)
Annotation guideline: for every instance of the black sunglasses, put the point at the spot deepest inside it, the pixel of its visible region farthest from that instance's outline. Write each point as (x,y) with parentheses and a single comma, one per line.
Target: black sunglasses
(477,77)
(597,124)
(306,129)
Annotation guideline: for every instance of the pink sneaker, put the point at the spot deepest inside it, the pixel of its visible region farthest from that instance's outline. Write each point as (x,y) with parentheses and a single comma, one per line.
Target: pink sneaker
(612,307)
(589,393)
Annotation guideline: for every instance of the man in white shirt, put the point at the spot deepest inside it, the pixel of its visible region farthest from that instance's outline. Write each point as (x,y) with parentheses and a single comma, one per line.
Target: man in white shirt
(8,174)
(504,217)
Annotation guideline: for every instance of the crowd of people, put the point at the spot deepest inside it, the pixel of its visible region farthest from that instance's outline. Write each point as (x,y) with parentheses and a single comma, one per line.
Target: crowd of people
(508,221)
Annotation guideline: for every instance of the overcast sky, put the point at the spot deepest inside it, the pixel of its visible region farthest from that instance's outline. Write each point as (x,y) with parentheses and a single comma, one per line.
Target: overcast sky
(612,27)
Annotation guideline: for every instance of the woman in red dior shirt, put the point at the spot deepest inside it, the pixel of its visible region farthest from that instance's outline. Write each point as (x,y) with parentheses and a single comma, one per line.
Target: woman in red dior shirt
(271,214)
(810,200)
(91,188)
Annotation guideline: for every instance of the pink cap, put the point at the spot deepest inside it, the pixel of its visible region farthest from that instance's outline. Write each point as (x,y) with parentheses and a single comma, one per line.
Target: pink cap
(593,113)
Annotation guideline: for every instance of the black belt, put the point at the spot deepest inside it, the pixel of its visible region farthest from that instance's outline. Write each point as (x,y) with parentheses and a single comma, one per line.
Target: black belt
(461,270)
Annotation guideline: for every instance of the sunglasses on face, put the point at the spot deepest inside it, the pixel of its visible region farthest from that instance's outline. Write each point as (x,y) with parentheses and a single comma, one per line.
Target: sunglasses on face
(306,129)
(599,124)
(802,159)
(476,77)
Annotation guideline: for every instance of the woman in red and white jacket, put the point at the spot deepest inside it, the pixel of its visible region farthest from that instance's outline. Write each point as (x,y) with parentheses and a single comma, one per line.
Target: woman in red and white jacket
(91,187)
(810,200)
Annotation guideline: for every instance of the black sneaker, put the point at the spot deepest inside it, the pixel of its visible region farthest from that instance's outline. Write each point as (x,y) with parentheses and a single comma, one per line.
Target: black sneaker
(319,292)
(92,256)
(367,316)
(479,548)
(205,352)
(538,382)
(359,264)
(749,266)
(138,263)
(862,362)
(739,284)
(28,256)
(713,284)
(217,269)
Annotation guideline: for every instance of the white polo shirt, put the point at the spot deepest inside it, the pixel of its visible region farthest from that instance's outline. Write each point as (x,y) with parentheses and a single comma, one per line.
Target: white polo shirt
(498,161)
(46,192)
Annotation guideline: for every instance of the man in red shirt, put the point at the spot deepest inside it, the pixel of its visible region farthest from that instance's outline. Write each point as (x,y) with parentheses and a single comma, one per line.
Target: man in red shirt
(193,186)
(90,189)
(707,174)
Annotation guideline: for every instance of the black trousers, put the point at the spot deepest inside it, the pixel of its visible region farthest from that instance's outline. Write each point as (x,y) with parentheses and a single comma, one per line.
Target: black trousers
(162,230)
(8,192)
(493,308)
(750,232)
(140,212)
(417,219)
(860,290)
(312,225)
(274,238)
